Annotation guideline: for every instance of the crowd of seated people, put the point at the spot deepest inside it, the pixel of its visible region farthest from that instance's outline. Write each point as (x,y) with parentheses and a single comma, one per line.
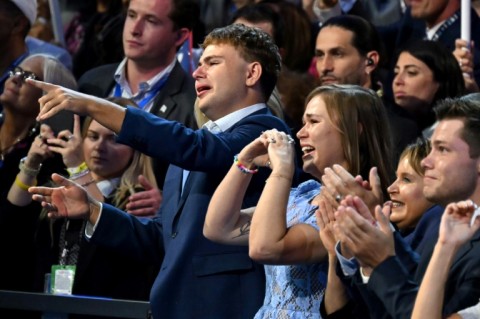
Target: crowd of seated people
(116,156)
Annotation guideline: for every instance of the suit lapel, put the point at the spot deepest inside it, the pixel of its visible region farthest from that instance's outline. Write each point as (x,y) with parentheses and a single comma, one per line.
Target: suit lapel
(163,103)
(466,248)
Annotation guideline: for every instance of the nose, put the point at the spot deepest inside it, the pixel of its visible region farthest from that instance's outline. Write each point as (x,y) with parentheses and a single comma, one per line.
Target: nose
(426,163)
(100,145)
(301,133)
(324,64)
(398,79)
(198,73)
(393,188)
(17,79)
(137,27)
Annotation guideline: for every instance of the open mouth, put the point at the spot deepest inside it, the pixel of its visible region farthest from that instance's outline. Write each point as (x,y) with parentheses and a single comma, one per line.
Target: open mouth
(307,150)
(201,89)
(397,204)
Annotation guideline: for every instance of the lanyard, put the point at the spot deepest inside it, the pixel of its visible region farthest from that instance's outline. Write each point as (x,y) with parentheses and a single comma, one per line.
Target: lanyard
(148,96)
(445,25)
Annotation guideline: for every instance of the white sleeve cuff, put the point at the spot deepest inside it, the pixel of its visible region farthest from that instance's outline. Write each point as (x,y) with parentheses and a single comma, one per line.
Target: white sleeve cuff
(349,266)
(90,228)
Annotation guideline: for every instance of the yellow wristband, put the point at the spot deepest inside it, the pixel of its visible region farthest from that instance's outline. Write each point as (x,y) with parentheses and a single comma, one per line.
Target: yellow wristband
(77,170)
(22,185)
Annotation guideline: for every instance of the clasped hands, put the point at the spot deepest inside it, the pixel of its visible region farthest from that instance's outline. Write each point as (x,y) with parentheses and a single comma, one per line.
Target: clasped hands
(273,149)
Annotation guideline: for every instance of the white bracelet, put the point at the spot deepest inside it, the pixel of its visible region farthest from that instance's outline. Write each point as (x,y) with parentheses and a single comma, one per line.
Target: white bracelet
(28,170)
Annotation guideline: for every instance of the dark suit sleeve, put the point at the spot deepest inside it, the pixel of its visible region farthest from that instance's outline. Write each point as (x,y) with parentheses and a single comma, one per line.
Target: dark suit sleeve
(140,238)
(195,150)
(392,283)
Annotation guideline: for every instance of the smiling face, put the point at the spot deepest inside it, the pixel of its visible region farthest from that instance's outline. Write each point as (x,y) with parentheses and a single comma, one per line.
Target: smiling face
(104,157)
(19,96)
(451,174)
(414,86)
(221,81)
(406,193)
(320,140)
(338,61)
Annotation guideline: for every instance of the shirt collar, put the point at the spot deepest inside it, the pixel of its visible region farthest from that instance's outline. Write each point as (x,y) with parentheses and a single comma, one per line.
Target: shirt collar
(224,123)
(121,78)
(107,186)
(431,31)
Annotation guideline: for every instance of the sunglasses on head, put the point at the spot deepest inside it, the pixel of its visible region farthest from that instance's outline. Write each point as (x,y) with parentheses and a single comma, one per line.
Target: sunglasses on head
(18,71)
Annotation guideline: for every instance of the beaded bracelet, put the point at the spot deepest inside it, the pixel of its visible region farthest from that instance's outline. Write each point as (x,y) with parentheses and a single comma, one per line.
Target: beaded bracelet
(27,170)
(22,185)
(243,168)
(77,170)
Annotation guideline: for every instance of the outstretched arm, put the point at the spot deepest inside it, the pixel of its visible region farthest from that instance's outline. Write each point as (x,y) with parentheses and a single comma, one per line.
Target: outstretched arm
(68,200)
(455,231)
(58,98)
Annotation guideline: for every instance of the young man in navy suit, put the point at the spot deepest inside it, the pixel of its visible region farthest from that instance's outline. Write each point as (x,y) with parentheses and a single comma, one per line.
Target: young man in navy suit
(198,278)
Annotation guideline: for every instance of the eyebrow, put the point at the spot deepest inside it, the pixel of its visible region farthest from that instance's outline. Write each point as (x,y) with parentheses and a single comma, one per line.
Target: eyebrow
(209,58)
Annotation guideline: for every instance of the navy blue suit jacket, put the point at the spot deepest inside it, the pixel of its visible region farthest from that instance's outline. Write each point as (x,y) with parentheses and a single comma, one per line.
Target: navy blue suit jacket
(393,285)
(198,278)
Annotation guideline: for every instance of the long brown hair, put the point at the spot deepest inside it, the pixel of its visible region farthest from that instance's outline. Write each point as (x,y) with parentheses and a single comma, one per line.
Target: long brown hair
(360,117)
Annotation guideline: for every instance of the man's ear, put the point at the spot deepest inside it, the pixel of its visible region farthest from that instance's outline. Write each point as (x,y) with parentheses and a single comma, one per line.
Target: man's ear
(182,35)
(371,63)
(254,72)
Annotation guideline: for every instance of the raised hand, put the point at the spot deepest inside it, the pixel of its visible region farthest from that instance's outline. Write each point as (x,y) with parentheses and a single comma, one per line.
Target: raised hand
(69,145)
(338,183)
(147,202)
(68,200)
(39,150)
(272,149)
(325,216)
(464,55)
(370,243)
(58,98)
(455,226)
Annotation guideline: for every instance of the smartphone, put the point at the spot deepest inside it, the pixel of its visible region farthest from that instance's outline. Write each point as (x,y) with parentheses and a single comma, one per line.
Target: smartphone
(63,120)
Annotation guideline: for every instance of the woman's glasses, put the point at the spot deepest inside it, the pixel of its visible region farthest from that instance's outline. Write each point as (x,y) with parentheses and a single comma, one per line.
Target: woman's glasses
(18,71)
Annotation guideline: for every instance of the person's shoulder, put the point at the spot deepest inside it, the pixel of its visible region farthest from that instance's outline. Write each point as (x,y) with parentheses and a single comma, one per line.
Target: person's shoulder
(95,81)
(106,69)
(267,119)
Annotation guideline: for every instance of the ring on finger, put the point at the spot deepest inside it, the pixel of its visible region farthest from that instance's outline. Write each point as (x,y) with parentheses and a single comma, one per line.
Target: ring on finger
(338,198)
(70,137)
(268,163)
